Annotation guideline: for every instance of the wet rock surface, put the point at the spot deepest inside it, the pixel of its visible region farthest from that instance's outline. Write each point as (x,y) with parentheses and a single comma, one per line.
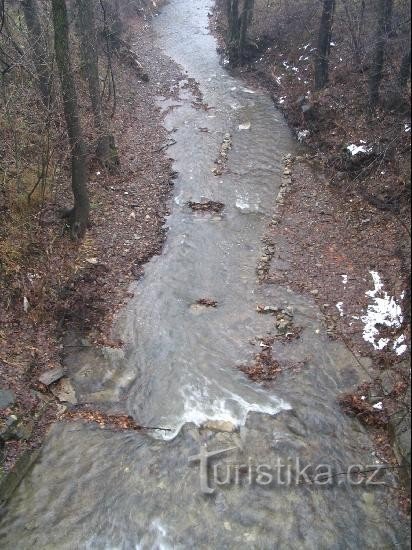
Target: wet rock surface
(7,398)
(51,376)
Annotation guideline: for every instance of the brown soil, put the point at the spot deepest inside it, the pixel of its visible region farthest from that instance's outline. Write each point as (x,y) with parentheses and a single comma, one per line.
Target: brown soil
(323,235)
(65,285)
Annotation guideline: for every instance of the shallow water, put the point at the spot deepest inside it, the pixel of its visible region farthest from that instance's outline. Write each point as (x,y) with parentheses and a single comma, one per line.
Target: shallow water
(99,489)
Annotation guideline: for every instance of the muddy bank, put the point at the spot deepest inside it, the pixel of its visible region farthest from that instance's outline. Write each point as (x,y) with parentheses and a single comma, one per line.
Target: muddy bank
(340,232)
(62,286)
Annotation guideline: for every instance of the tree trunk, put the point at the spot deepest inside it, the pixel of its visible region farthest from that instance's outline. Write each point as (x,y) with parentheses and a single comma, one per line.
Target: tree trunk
(39,46)
(405,71)
(376,73)
(245,21)
(389,18)
(354,36)
(88,44)
(114,22)
(323,50)
(233,30)
(79,216)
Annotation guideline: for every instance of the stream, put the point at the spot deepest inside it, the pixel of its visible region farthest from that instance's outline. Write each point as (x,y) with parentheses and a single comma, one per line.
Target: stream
(99,489)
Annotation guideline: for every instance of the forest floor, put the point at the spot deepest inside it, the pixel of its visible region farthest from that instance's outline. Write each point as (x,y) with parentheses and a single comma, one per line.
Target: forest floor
(341,230)
(60,285)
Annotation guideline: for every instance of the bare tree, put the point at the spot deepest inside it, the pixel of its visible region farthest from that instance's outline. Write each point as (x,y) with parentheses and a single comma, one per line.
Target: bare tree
(114,25)
(245,20)
(355,28)
(238,24)
(88,42)
(38,44)
(79,215)
(376,72)
(405,70)
(232,10)
(323,49)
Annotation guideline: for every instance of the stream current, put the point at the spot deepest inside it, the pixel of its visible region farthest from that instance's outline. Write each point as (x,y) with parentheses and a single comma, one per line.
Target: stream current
(98,489)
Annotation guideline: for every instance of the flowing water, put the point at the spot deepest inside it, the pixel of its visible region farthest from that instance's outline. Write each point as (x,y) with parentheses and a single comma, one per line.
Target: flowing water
(93,488)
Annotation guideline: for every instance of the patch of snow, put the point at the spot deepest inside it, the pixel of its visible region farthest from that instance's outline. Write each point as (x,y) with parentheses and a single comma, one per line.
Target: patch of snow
(402,349)
(399,346)
(245,126)
(248,91)
(378,406)
(407,128)
(356,149)
(282,100)
(383,311)
(345,279)
(339,307)
(363,397)
(303,134)
(278,80)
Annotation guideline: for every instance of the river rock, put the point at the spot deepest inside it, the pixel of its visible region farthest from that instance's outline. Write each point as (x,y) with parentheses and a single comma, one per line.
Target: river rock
(23,430)
(13,429)
(64,392)
(7,398)
(308,113)
(7,428)
(283,326)
(388,381)
(220,426)
(51,376)
(301,100)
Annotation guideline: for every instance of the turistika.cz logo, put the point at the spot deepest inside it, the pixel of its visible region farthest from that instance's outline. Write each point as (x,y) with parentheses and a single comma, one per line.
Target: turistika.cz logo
(283,473)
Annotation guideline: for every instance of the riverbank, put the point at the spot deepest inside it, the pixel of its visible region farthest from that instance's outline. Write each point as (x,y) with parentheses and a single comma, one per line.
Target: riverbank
(340,232)
(60,286)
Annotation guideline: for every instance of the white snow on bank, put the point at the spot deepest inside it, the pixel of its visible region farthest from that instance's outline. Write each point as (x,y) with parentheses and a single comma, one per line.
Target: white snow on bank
(385,311)
(399,346)
(345,279)
(356,149)
(407,128)
(339,307)
(303,134)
